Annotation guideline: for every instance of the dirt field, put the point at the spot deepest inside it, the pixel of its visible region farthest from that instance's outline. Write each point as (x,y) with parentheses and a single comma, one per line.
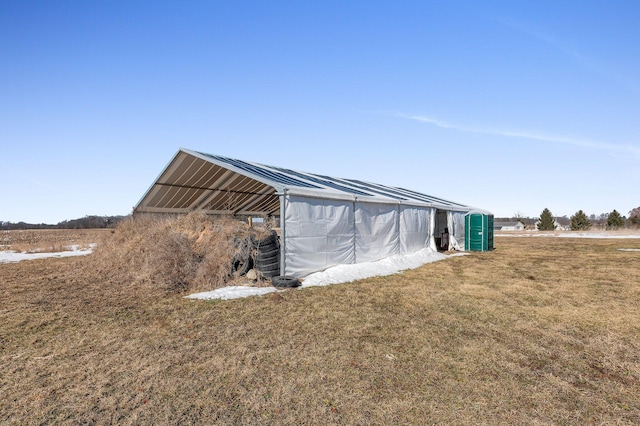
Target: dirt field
(540,331)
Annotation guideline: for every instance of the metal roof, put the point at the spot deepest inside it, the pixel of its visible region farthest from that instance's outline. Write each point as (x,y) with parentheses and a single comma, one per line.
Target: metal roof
(219,185)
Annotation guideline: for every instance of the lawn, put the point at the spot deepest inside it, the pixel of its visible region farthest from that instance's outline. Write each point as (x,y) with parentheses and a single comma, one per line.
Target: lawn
(539,331)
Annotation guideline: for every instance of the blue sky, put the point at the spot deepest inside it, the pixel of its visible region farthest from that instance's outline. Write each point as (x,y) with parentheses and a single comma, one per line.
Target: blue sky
(511,106)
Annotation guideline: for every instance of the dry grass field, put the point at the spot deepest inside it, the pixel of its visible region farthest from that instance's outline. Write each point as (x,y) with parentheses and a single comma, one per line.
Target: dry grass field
(50,240)
(540,331)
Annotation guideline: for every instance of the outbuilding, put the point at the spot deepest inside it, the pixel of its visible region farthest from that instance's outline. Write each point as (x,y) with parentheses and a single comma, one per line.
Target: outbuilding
(324,221)
(508,226)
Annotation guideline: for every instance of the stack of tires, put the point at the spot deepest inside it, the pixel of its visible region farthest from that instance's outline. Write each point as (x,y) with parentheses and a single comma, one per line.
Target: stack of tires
(267,261)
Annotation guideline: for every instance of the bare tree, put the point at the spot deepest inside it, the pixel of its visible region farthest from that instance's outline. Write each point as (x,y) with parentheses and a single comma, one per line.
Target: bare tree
(634,216)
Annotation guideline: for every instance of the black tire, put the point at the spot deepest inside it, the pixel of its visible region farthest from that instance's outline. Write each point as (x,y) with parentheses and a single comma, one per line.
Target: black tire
(285,281)
(271,239)
(241,266)
(270,273)
(271,268)
(269,257)
(268,247)
(268,264)
(267,252)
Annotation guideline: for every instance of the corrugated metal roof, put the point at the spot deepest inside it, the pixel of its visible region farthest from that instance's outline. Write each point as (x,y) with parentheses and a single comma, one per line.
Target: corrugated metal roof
(220,185)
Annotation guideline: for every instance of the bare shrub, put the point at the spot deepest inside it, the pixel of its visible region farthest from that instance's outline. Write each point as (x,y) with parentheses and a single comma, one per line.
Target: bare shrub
(174,263)
(177,253)
(217,245)
(271,222)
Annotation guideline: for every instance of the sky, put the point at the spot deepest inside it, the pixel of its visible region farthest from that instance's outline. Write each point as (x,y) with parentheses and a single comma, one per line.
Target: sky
(509,106)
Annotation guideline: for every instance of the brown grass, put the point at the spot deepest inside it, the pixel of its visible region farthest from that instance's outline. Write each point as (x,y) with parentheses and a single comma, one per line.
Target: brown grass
(50,240)
(540,331)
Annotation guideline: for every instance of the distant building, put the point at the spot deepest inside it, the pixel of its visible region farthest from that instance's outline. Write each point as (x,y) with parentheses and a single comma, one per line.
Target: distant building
(561,227)
(556,225)
(508,226)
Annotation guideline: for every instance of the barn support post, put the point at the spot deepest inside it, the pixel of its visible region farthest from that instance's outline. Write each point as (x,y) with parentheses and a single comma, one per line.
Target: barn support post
(355,232)
(399,246)
(283,230)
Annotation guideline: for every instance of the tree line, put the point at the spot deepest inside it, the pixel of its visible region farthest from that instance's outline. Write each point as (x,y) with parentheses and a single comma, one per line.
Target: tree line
(581,222)
(87,222)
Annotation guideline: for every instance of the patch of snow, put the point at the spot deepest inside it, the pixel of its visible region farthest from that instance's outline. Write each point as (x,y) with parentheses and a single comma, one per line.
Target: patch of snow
(233,292)
(9,256)
(387,266)
(625,249)
(338,274)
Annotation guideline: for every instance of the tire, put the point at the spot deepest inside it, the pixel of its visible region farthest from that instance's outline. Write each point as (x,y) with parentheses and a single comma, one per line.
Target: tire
(284,281)
(268,252)
(270,273)
(241,266)
(266,255)
(267,264)
(269,267)
(270,245)
(269,270)
(271,239)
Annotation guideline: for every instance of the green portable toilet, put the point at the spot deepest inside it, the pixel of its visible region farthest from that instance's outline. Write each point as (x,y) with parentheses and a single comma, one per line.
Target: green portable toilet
(478,228)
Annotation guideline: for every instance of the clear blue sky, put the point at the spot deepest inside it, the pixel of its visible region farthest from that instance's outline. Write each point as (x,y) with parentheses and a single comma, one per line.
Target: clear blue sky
(511,106)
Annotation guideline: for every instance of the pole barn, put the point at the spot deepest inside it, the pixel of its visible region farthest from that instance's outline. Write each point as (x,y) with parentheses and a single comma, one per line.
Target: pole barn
(324,221)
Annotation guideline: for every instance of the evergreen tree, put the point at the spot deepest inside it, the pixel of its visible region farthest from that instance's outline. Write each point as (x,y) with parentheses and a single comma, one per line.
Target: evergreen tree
(615,221)
(580,221)
(546,222)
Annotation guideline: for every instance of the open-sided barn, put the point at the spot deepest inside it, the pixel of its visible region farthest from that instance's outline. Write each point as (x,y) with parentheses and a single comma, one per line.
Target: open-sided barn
(324,221)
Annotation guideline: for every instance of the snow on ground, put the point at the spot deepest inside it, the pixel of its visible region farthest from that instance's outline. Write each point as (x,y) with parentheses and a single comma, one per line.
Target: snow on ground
(9,256)
(233,292)
(387,266)
(625,249)
(337,274)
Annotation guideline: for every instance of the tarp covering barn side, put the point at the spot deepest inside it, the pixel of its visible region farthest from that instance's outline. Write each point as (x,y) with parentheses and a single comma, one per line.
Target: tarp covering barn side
(317,233)
(376,228)
(414,228)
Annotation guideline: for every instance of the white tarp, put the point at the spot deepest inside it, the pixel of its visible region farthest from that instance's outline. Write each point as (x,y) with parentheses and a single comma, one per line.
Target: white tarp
(414,228)
(377,233)
(318,233)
